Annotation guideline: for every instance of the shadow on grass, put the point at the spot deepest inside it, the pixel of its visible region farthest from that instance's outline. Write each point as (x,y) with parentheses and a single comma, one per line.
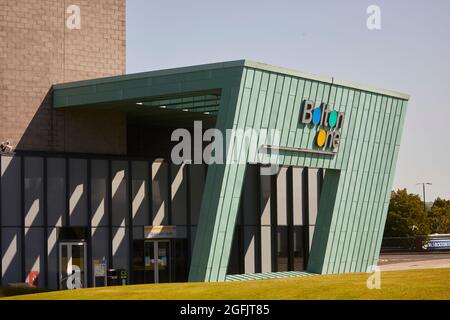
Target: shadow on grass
(15,291)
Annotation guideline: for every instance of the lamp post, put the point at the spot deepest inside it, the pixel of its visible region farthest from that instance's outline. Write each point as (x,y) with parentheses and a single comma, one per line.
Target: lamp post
(423,189)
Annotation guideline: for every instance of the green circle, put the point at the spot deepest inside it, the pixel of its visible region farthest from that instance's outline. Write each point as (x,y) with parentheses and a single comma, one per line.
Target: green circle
(332,119)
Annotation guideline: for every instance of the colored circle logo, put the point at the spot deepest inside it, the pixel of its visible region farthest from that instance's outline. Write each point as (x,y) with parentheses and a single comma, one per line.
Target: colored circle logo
(332,118)
(316,116)
(321,137)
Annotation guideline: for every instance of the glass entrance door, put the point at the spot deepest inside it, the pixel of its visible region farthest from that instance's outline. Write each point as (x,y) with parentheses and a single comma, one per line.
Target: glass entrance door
(72,265)
(157,261)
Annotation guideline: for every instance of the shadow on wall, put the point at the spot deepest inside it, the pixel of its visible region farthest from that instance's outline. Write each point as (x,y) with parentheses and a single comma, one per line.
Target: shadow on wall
(79,130)
(30,217)
(48,130)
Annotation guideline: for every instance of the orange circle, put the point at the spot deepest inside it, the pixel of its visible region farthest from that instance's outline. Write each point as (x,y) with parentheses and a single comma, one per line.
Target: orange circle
(321,136)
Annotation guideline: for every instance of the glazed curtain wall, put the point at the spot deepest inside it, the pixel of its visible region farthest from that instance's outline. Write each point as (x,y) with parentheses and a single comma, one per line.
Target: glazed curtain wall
(40,193)
(276,220)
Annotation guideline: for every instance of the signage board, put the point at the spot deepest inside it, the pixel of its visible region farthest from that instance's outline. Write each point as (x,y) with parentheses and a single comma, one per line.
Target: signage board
(160,232)
(328,122)
(99,268)
(437,244)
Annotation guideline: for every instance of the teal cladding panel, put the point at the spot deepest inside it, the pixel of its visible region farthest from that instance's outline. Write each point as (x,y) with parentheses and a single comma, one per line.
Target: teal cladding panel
(353,204)
(244,94)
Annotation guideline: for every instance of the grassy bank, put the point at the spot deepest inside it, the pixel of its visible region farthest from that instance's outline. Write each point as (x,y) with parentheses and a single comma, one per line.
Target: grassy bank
(411,284)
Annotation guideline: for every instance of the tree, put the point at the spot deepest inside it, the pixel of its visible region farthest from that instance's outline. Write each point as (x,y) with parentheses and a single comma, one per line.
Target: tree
(406,216)
(439,216)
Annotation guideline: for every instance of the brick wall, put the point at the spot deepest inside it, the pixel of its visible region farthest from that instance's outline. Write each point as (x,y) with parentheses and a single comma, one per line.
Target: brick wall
(37,50)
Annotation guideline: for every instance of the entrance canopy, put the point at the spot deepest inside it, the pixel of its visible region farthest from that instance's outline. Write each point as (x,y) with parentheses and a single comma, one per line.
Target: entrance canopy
(171,96)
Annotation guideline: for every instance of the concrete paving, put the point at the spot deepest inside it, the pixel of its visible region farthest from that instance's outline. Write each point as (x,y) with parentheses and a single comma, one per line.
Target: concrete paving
(408,261)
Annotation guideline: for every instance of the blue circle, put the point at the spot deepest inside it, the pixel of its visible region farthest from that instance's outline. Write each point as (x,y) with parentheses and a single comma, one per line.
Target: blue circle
(316,116)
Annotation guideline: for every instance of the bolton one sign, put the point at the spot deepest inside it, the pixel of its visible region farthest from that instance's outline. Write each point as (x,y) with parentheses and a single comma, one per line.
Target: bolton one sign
(328,121)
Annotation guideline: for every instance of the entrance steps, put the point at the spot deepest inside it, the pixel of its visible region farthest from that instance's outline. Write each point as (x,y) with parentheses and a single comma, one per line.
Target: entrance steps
(267,275)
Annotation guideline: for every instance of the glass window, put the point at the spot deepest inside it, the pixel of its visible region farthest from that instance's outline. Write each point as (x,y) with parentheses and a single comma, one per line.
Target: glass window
(297,199)
(234,260)
(299,250)
(282,198)
(265,199)
(282,248)
(139,189)
(77,191)
(160,192)
(249,198)
(119,192)
(181,260)
(138,261)
(178,187)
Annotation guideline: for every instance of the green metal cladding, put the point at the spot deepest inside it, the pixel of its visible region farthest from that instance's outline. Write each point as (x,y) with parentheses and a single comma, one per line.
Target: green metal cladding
(355,195)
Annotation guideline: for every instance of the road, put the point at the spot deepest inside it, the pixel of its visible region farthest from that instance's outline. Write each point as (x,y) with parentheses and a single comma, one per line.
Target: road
(405,261)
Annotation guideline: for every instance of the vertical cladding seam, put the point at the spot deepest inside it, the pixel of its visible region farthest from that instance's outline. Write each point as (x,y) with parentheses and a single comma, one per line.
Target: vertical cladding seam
(224,194)
(384,181)
(367,163)
(202,249)
(341,185)
(346,205)
(391,154)
(378,176)
(349,220)
(361,191)
(228,224)
(342,211)
(374,164)
(294,121)
(235,172)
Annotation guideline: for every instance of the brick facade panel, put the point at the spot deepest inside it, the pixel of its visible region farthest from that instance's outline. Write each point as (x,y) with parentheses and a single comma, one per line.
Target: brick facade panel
(37,50)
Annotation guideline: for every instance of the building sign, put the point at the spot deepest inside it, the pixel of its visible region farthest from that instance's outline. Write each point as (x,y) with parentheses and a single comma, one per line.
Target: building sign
(158,232)
(328,122)
(437,244)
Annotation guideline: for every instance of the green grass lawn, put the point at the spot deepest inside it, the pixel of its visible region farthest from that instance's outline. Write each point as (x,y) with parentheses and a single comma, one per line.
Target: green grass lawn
(412,284)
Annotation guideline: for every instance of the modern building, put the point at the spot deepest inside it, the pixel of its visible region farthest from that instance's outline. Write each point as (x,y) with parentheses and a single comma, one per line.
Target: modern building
(88,183)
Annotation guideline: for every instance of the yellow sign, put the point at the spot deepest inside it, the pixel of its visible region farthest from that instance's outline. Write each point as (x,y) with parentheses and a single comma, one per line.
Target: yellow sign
(158,232)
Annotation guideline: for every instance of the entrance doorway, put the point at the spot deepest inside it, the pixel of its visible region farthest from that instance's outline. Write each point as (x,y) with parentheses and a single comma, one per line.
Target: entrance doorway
(72,265)
(157,261)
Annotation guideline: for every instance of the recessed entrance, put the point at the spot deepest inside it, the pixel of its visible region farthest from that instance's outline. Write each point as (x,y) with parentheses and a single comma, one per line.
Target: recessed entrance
(157,261)
(72,265)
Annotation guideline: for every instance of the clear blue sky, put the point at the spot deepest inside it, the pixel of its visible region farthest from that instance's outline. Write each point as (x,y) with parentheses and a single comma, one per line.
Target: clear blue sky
(411,54)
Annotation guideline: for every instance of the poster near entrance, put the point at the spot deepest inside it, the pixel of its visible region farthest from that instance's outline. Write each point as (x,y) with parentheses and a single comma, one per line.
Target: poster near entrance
(100,267)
